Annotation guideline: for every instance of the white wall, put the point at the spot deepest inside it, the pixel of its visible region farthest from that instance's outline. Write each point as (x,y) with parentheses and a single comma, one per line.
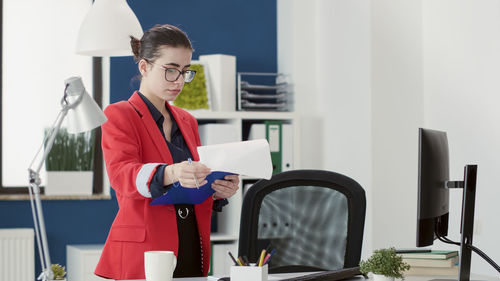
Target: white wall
(297,57)
(325,46)
(345,95)
(462,86)
(371,73)
(397,113)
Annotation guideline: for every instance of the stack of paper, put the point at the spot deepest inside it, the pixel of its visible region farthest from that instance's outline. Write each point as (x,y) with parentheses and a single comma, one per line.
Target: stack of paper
(264,91)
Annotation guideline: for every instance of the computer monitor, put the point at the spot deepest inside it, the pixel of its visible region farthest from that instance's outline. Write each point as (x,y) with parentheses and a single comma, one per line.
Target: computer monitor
(433,197)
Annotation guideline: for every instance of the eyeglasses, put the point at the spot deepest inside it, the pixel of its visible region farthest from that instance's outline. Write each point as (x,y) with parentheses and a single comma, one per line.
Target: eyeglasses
(172,74)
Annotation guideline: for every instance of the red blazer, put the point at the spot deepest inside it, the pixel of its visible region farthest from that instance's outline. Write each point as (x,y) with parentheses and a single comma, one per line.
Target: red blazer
(133,148)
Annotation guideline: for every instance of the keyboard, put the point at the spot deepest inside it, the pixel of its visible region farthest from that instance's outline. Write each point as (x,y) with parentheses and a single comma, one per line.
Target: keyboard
(330,275)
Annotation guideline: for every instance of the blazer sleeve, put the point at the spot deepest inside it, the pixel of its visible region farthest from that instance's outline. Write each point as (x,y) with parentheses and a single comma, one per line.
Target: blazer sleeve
(121,145)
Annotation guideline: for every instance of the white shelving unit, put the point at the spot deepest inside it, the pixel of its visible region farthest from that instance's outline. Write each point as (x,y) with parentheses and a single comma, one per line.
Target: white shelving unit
(228,221)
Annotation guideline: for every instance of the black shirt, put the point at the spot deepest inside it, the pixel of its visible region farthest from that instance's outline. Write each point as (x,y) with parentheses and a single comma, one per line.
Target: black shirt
(189,257)
(178,149)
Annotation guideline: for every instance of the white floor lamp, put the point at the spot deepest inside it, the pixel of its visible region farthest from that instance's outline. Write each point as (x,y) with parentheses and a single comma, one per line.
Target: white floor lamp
(83,115)
(105,31)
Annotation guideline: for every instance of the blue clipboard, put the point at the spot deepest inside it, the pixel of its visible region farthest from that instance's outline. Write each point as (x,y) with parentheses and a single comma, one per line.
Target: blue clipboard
(178,194)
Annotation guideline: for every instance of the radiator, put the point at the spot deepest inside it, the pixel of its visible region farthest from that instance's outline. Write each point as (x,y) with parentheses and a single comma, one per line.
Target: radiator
(17,254)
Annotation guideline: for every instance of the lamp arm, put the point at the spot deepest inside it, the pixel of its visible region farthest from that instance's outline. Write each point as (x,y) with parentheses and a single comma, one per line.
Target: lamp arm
(52,136)
(73,96)
(36,203)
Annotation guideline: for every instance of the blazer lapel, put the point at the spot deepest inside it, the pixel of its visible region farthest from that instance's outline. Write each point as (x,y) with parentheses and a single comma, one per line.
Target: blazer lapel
(151,127)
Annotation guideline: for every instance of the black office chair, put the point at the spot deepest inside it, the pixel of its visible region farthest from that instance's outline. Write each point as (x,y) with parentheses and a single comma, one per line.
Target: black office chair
(314,219)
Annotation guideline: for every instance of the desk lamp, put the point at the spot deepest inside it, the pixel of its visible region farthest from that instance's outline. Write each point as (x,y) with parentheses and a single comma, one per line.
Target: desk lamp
(83,115)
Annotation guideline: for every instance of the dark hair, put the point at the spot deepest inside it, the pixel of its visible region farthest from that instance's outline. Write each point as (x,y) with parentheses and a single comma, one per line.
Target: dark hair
(148,47)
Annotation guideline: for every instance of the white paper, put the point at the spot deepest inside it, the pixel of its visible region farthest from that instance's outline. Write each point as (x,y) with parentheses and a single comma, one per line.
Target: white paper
(249,158)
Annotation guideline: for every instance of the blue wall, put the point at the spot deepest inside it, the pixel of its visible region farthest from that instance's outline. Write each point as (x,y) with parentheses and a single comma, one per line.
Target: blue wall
(245,29)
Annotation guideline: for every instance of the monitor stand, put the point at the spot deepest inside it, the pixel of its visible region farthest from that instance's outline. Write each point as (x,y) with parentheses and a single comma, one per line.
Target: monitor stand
(467,222)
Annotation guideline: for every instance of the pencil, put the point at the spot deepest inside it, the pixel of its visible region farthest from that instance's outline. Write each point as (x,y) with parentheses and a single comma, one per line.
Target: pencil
(262,255)
(266,258)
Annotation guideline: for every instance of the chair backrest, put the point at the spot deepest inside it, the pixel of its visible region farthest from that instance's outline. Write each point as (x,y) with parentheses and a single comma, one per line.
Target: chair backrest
(313,218)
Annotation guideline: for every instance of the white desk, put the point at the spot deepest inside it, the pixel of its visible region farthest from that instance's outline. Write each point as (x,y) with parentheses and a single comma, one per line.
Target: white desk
(359,278)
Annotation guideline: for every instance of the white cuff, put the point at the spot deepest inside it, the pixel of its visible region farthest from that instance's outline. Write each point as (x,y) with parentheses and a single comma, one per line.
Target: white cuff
(143,177)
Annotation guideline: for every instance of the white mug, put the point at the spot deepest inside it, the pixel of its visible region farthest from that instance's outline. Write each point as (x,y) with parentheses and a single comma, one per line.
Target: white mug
(159,265)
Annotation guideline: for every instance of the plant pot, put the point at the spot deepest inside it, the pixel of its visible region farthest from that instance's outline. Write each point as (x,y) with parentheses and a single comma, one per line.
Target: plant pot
(380,277)
(69,183)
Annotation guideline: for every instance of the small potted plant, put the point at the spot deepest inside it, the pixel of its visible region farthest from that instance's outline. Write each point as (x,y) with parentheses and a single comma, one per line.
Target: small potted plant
(385,265)
(59,272)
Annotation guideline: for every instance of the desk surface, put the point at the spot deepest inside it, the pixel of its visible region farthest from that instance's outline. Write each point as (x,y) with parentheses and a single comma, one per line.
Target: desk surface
(273,277)
(359,278)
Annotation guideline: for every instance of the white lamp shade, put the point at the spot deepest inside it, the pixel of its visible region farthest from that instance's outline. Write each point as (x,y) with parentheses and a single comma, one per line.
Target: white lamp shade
(107,28)
(86,115)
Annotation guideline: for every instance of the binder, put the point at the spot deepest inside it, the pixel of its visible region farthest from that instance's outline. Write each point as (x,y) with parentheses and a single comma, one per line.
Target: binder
(257,131)
(287,147)
(282,157)
(274,136)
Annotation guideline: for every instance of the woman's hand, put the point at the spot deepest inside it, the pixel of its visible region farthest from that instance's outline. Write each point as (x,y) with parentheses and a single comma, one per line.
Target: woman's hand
(227,187)
(188,174)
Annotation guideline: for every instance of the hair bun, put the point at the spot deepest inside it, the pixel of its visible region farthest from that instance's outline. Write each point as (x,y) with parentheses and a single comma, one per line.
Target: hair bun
(136,47)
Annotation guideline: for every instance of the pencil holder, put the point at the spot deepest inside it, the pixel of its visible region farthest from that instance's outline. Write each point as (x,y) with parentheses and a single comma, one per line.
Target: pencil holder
(248,273)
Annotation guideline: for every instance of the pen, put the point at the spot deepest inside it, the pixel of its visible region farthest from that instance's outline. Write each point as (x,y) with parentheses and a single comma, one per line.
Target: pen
(195,180)
(231,256)
(269,256)
(241,261)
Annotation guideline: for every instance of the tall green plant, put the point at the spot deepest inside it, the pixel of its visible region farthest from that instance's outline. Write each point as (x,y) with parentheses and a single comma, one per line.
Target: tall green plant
(71,152)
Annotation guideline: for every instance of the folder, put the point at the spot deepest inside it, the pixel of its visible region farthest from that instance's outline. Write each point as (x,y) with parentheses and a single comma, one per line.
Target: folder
(178,194)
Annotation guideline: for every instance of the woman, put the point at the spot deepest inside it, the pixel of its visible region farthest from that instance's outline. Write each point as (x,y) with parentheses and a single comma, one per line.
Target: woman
(147,144)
